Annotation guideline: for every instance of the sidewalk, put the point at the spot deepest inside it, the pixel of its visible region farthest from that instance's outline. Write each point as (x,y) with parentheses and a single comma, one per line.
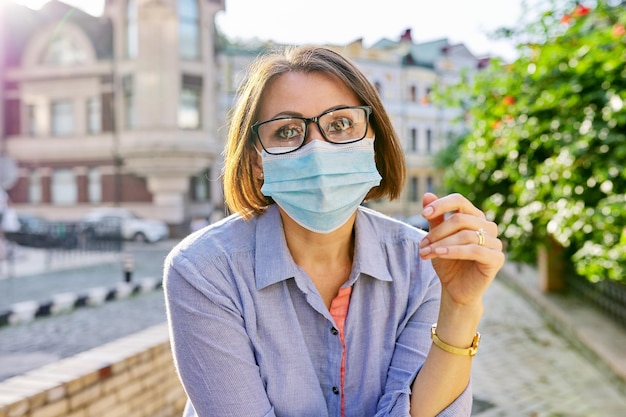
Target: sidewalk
(25,261)
(592,334)
(38,283)
(598,337)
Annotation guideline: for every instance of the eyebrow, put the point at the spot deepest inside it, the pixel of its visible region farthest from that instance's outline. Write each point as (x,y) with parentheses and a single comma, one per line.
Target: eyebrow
(296,114)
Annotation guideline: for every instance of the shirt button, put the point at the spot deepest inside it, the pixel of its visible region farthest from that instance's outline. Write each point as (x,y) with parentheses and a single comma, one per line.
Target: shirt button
(335,390)
(334,331)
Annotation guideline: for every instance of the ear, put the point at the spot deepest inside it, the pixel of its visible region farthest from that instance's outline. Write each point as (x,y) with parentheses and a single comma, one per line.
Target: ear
(257,165)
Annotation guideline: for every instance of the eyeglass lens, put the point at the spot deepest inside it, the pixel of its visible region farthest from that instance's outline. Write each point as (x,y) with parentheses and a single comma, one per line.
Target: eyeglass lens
(338,126)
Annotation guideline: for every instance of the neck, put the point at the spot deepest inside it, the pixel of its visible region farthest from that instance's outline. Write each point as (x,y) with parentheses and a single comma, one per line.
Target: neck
(310,248)
(326,258)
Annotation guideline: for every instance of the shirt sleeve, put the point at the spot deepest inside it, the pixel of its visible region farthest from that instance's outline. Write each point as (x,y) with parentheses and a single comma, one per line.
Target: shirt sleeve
(212,352)
(411,349)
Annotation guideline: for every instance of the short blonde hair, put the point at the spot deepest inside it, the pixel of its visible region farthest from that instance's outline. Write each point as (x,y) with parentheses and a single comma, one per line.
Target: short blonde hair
(242,191)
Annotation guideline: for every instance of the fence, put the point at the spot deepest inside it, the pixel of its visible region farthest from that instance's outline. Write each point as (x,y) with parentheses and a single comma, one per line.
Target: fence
(70,236)
(608,296)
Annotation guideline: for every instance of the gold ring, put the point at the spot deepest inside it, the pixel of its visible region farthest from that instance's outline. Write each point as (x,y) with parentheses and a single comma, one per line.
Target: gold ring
(481,236)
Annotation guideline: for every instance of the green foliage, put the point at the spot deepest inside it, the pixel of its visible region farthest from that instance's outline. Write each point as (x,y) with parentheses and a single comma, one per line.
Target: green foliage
(546,152)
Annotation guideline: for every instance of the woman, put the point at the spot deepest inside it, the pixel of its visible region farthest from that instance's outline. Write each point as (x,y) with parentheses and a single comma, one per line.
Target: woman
(303,302)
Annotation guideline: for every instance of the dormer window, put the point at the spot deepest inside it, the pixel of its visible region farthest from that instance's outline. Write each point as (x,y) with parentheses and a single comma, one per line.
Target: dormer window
(63,50)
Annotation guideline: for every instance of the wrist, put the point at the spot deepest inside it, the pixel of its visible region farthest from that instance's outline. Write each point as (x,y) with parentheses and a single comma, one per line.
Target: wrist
(457,324)
(470,350)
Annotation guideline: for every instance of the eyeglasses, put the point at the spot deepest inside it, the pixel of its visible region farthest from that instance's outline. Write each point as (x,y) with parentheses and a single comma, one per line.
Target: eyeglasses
(286,134)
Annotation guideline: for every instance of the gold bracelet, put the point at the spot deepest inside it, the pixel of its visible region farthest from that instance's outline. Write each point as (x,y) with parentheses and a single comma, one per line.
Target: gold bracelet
(470,351)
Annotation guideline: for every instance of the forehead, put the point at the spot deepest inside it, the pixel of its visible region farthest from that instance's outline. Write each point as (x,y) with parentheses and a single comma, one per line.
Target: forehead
(305,94)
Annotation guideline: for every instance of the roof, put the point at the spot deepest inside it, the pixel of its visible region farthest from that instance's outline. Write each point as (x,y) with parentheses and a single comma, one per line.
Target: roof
(22,23)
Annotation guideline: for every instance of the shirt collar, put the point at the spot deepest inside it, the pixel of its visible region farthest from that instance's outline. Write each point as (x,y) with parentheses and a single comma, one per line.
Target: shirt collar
(370,255)
(273,261)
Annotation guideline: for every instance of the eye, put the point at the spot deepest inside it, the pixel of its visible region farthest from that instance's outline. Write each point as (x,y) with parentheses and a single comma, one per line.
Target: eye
(340,124)
(288,131)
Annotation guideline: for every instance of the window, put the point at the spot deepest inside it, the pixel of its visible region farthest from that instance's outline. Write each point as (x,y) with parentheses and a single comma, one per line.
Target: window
(132,33)
(429,185)
(63,51)
(413,147)
(94,186)
(190,105)
(188,29)
(413,94)
(34,187)
(414,191)
(129,101)
(62,115)
(94,115)
(200,187)
(31,120)
(64,188)
(426,98)
(429,141)
(379,87)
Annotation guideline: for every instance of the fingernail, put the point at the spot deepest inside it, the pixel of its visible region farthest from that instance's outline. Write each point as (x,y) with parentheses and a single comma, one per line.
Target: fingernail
(441,251)
(425,242)
(425,251)
(428,211)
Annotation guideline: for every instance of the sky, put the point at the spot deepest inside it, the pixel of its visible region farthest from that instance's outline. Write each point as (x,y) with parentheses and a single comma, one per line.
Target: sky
(342,21)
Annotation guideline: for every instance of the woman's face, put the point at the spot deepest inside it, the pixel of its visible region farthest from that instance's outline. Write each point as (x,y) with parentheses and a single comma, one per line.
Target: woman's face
(303,95)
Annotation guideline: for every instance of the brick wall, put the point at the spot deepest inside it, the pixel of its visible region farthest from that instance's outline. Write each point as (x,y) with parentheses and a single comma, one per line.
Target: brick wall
(130,377)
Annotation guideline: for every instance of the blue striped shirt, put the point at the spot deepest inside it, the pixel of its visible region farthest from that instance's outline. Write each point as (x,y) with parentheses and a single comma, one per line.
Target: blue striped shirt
(251,335)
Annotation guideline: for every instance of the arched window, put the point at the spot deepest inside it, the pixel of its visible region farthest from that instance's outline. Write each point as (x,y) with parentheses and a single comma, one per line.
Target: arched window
(189,29)
(63,50)
(132,33)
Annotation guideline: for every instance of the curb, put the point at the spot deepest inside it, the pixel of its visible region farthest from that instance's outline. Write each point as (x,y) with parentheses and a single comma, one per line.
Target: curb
(27,311)
(588,330)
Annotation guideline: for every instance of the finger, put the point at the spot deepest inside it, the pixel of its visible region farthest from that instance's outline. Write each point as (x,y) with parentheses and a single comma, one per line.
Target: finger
(458,222)
(427,199)
(450,203)
(491,259)
(463,238)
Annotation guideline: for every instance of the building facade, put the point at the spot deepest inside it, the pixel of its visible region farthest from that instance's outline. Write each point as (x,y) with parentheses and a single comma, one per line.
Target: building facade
(130,108)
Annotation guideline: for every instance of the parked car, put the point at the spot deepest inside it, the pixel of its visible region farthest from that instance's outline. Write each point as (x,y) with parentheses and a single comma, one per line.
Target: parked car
(106,222)
(36,231)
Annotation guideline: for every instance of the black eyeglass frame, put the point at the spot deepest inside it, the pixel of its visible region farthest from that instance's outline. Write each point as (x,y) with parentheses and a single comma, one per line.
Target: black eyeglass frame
(315,119)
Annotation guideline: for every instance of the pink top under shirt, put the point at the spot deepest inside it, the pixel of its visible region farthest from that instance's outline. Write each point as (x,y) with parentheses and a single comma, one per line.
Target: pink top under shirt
(339,311)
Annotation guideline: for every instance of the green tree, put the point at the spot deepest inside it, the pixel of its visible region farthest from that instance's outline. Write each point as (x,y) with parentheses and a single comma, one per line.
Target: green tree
(546,153)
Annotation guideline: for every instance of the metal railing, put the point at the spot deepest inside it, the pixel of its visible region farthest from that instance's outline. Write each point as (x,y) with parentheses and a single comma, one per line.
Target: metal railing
(608,296)
(71,236)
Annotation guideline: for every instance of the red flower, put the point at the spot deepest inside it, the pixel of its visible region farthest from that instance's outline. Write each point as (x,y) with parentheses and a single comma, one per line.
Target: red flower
(508,100)
(580,11)
(619,30)
(566,19)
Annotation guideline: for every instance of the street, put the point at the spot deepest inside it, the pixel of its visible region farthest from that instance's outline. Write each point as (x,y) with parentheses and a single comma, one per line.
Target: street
(523,367)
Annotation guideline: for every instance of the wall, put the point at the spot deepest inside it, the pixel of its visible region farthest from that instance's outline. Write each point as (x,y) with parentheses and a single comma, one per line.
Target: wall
(131,377)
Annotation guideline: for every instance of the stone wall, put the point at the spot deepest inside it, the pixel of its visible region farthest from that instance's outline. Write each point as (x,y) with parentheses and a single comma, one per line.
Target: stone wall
(130,377)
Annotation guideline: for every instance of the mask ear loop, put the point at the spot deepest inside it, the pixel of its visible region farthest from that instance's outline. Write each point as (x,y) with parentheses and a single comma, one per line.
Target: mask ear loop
(261,175)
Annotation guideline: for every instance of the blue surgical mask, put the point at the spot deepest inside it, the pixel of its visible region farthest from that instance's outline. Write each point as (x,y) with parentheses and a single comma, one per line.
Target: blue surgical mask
(321,185)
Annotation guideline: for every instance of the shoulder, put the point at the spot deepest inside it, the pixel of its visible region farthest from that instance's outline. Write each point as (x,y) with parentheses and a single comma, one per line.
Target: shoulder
(386,227)
(218,242)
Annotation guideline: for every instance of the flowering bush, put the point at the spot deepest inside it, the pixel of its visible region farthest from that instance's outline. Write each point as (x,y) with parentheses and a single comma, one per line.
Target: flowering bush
(546,152)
